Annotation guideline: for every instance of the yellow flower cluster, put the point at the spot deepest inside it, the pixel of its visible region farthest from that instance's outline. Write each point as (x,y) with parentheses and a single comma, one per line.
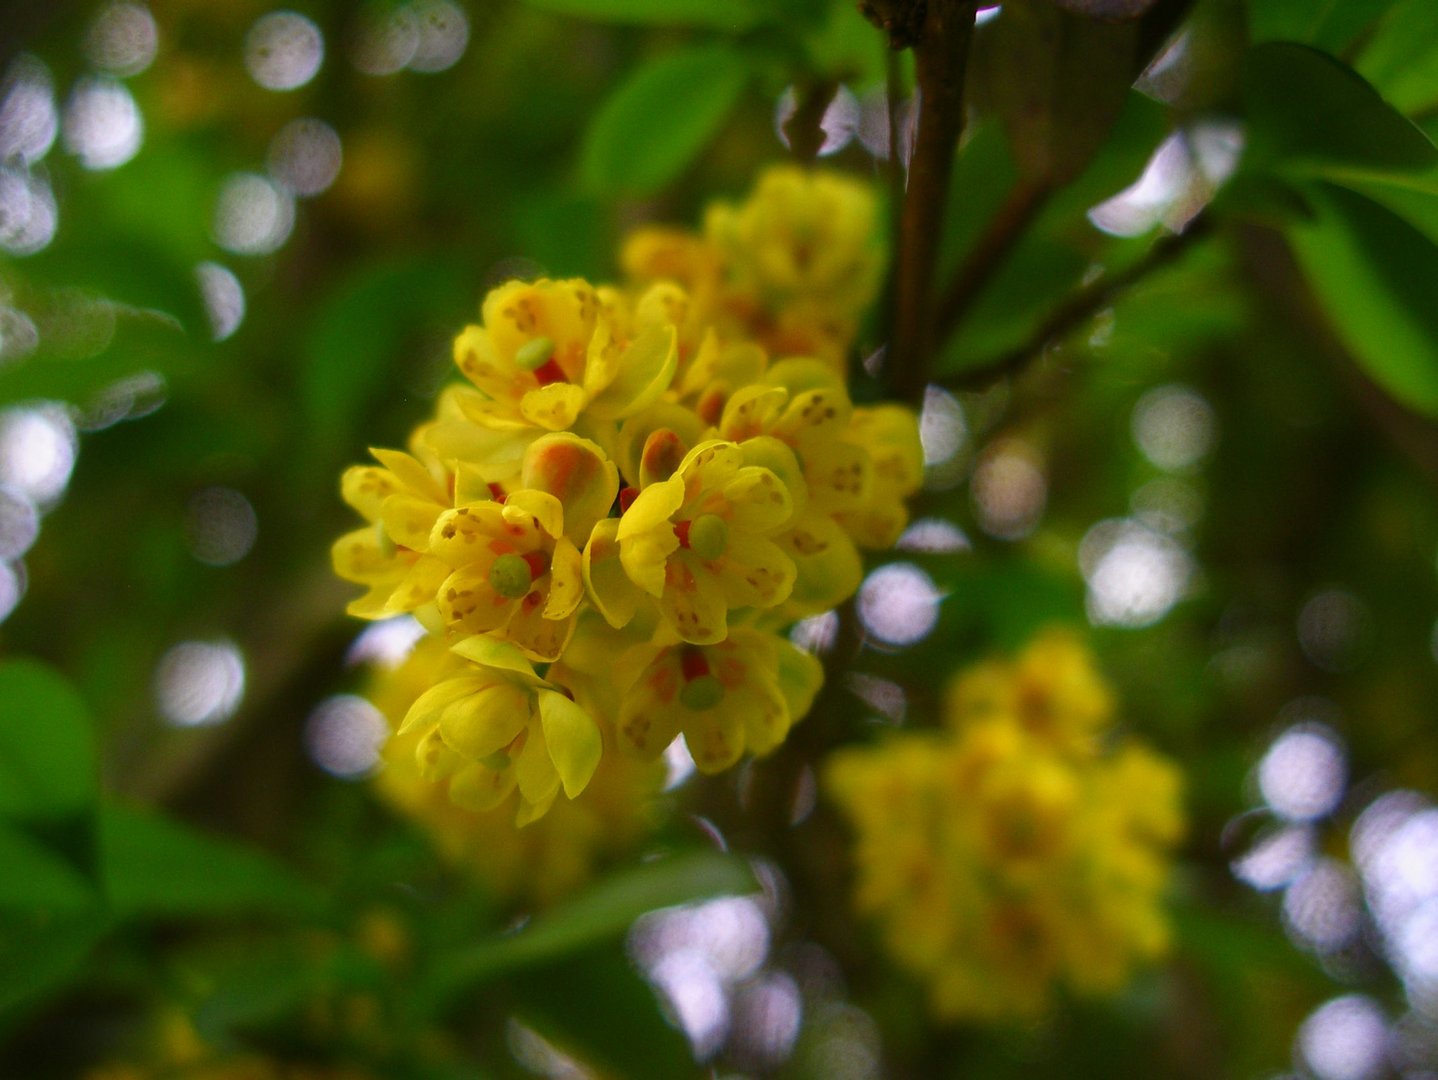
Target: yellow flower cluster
(540,864)
(635,489)
(1010,853)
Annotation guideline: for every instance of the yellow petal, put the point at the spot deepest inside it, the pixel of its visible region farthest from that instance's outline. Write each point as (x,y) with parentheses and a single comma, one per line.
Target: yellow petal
(821,413)
(635,432)
(771,454)
(419,585)
(437,698)
(553,407)
(645,371)
(538,780)
(479,789)
(539,638)
(499,655)
(566,581)
(408,520)
(828,566)
(478,360)
(462,536)
(755,572)
(359,556)
(577,473)
(653,508)
(412,474)
(840,477)
(649,717)
(715,737)
(534,510)
(365,487)
(530,812)
(468,603)
(799,374)
(481,723)
(709,466)
(759,502)
(800,678)
(764,714)
(573,740)
(751,411)
(693,602)
(609,587)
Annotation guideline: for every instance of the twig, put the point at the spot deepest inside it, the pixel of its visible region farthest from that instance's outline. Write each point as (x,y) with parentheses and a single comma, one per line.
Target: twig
(989,254)
(1080,306)
(941,54)
(805,127)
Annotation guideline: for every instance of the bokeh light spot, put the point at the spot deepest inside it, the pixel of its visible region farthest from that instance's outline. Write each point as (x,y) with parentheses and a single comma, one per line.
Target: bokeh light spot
(1174,427)
(443,36)
(199,683)
(123,39)
(28,213)
(19,524)
(899,603)
(284,50)
(344,735)
(220,526)
(1345,1039)
(1009,490)
(1135,575)
(29,120)
(305,156)
(102,125)
(1302,775)
(224,298)
(38,445)
(253,215)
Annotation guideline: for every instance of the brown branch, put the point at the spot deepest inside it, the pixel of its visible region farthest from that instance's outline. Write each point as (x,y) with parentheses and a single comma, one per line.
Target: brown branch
(805,128)
(941,54)
(1078,308)
(989,254)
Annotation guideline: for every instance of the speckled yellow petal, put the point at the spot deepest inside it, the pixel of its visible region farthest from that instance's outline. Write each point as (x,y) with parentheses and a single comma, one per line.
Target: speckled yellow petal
(408,520)
(754,572)
(553,407)
(359,556)
(693,602)
(798,374)
(652,509)
(821,413)
(577,473)
(715,737)
(709,466)
(365,487)
(646,369)
(465,534)
(535,511)
(635,432)
(891,435)
(418,586)
(566,581)
(758,500)
(828,565)
(434,760)
(649,718)
(539,638)
(573,739)
(840,476)
(479,362)
(771,454)
(479,724)
(609,586)
(468,603)
(763,712)
(751,411)
(412,474)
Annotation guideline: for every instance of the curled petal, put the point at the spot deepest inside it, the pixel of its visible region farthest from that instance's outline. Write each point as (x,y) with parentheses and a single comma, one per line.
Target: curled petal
(468,603)
(693,602)
(566,581)
(408,520)
(479,789)
(758,499)
(755,572)
(554,407)
(365,487)
(535,510)
(412,474)
(577,473)
(646,369)
(572,738)
(486,721)
(609,586)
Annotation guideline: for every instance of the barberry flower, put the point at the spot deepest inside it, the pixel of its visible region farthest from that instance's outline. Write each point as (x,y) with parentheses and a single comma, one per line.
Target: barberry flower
(740,694)
(699,543)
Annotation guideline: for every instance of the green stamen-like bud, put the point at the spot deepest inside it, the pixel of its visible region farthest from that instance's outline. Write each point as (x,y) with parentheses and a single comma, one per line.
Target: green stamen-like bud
(509,576)
(708,536)
(534,353)
(702,693)
(497,761)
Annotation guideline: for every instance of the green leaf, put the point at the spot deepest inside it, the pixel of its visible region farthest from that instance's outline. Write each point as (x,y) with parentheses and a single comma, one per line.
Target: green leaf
(1377,279)
(597,1008)
(362,330)
(155,867)
(1330,25)
(38,879)
(1401,58)
(604,912)
(38,953)
(1306,109)
(656,123)
(47,755)
(731,15)
(1076,74)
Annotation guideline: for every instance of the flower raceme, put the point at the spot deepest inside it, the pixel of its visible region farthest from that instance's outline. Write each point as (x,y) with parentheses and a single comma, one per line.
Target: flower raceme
(607,523)
(1010,853)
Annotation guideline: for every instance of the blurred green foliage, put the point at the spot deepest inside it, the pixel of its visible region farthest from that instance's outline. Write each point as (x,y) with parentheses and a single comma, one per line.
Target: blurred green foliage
(247,890)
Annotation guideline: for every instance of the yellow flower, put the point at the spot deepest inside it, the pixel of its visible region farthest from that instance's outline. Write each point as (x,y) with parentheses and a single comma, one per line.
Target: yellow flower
(495,726)
(1000,861)
(742,693)
(697,542)
(401,498)
(548,351)
(549,858)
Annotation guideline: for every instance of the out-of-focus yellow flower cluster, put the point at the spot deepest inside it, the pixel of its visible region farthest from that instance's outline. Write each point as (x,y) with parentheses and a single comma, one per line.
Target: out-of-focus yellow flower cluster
(635,490)
(1016,849)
